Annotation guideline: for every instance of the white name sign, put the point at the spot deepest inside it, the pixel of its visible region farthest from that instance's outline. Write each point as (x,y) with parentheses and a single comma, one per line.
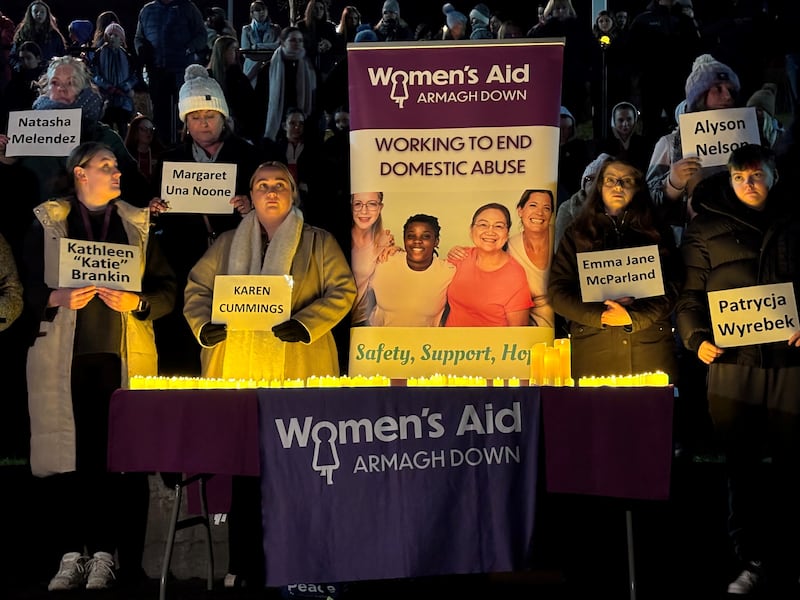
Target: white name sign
(114,266)
(198,187)
(43,132)
(757,314)
(252,302)
(713,134)
(610,274)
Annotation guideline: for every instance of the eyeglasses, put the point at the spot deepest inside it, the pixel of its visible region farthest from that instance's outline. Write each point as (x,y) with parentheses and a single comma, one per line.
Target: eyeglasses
(146,129)
(486,226)
(623,182)
(371,206)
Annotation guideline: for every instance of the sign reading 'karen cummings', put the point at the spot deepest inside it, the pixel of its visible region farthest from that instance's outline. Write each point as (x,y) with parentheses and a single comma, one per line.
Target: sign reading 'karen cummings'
(757,314)
(612,274)
(198,187)
(114,266)
(252,302)
(43,132)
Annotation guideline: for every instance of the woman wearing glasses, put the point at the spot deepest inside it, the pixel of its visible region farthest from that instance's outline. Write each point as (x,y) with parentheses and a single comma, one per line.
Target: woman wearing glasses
(620,336)
(370,242)
(489,288)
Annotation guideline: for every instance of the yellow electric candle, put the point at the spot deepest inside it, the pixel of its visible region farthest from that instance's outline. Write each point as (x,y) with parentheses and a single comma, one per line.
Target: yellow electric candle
(537,363)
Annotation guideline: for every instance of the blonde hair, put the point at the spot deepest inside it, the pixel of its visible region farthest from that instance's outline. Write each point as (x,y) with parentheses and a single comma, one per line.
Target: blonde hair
(81,77)
(551,4)
(274,164)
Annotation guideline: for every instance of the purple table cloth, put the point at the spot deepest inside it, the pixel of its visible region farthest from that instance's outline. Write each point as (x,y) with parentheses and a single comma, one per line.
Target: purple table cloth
(608,441)
(186,431)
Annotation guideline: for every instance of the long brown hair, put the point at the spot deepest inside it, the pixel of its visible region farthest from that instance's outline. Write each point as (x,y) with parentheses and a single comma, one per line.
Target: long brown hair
(592,219)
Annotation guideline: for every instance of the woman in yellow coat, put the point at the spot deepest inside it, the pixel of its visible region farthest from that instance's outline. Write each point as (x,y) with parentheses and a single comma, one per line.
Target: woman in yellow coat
(272,239)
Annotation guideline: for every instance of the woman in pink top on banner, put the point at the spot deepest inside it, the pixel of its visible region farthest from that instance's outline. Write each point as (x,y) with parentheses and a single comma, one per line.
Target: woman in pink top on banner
(489,288)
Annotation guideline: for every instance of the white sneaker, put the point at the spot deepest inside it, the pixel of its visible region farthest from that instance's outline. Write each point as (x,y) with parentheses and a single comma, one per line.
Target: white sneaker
(747,581)
(101,571)
(71,573)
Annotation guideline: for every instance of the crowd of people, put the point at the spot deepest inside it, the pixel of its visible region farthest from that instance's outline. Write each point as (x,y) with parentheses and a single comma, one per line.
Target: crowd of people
(271,98)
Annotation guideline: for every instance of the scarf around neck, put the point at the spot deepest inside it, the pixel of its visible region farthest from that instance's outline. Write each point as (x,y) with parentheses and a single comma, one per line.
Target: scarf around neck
(306,85)
(90,103)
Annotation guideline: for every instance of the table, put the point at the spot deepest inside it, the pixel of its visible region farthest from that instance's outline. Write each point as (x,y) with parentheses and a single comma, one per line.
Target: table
(614,442)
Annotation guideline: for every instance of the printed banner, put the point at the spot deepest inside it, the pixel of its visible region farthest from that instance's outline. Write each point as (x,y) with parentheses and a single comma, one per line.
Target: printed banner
(43,132)
(393,482)
(198,187)
(401,352)
(611,274)
(441,130)
(104,264)
(753,315)
(252,302)
(712,135)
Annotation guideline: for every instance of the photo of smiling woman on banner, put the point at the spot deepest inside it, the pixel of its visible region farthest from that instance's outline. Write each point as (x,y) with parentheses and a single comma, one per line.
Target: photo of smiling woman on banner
(370,243)
(532,248)
(489,288)
(410,288)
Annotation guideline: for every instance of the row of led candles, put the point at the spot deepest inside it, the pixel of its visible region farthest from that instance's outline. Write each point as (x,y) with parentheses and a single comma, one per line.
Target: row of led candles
(202,383)
(552,366)
(193,383)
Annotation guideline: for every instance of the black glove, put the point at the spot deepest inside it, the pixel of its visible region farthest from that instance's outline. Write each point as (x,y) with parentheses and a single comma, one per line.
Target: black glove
(291,331)
(212,334)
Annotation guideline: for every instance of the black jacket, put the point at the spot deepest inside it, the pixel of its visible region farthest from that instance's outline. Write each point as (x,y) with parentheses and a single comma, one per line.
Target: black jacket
(728,245)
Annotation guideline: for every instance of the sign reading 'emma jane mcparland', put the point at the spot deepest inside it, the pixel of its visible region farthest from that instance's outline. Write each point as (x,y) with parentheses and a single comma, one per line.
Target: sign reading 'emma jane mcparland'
(43,132)
(198,187)
(758,314)
(252,302)
(712,135)
(628,272)
(114,266)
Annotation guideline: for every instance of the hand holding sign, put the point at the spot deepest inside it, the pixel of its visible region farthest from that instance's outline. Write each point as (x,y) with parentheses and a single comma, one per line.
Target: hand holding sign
(118,300)
(682,171)
(73,298)
(708,352)
(615,314)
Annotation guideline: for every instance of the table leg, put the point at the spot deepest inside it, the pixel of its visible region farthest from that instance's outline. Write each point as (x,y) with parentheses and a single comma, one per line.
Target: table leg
(631,561)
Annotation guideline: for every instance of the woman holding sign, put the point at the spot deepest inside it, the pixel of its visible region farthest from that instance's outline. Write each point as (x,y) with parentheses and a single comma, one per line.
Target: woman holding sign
(90,340)
(273,239)
(747,233)
(620,336)
(186,234)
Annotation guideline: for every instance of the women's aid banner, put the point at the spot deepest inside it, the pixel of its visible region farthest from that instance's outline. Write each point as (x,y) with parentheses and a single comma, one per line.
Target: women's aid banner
(442,130)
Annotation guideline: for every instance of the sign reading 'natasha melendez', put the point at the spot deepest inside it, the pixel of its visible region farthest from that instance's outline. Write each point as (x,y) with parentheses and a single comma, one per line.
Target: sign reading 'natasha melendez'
(43,132)
(758,314)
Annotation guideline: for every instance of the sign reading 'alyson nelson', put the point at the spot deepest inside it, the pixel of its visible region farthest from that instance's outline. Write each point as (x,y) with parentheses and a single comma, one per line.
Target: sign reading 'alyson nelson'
(712,135)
